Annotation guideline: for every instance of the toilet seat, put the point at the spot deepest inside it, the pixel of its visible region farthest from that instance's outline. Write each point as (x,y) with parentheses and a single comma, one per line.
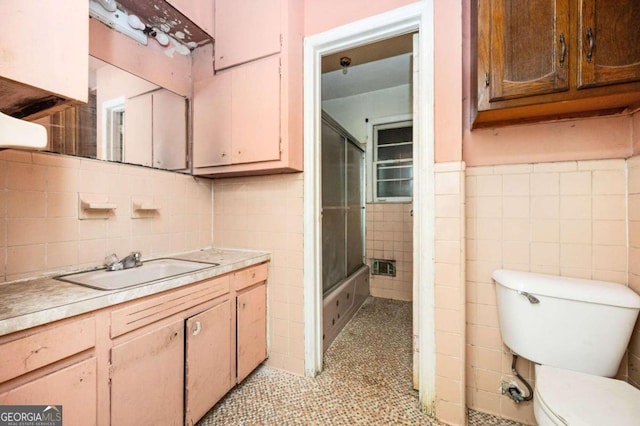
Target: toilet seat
(574,398)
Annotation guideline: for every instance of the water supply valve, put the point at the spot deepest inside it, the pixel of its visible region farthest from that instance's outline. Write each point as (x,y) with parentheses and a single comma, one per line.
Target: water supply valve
(513,391)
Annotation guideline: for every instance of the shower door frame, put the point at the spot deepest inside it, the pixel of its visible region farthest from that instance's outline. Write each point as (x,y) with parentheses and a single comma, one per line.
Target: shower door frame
(418,17)
(348,139)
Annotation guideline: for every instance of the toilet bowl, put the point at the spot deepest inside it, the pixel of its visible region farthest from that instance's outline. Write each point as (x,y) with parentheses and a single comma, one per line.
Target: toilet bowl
(576,331)
(565,397)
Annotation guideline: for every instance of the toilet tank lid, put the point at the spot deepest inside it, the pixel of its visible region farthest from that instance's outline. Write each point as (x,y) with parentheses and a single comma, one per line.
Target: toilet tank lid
(592,291)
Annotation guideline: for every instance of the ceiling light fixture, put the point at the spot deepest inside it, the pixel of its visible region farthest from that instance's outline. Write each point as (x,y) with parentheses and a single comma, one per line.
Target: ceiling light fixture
(345,61)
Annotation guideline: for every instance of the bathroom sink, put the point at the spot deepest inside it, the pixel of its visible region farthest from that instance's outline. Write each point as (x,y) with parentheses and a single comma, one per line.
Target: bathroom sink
(150,271)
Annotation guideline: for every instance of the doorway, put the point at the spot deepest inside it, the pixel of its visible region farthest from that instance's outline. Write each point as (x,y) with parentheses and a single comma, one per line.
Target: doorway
(417,17)
(366,95)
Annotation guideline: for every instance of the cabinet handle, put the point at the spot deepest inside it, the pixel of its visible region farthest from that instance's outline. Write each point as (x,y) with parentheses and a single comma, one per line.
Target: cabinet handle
(563,49)
(197,328)
(592,43)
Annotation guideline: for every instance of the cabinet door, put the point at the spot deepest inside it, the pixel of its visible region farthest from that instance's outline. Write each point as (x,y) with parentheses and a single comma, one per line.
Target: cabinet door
(46,45)
(147,375)
(529,48)
(73,387)
(251,329)
(212,120)
(237,115)
(255,111)
(208,375)
(245,30)
(609,42)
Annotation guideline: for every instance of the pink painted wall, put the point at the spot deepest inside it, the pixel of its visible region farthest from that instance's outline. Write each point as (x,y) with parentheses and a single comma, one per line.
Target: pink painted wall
(322,15)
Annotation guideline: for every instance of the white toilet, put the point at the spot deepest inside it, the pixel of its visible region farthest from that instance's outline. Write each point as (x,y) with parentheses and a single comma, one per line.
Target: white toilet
(576,331)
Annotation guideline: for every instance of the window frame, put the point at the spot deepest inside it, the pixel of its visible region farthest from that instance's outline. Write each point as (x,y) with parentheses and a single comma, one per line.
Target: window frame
(401,120)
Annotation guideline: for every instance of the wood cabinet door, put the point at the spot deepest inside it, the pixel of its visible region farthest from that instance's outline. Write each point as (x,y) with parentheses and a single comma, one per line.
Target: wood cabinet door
(147,378)
(245,30)
(74,387)
(251,329)
(609,42)
(528,52)
(208,375)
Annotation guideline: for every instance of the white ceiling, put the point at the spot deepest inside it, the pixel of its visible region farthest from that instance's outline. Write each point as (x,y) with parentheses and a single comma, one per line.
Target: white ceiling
(377,75)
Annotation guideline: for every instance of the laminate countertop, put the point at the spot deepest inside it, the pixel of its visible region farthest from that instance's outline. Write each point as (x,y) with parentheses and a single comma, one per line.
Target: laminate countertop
(29,303)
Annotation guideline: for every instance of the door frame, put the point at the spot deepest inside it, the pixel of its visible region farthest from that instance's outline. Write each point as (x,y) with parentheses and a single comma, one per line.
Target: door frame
(414,17)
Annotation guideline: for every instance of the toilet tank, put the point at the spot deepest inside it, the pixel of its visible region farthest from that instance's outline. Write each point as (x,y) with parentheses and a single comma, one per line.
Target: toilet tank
(576,324)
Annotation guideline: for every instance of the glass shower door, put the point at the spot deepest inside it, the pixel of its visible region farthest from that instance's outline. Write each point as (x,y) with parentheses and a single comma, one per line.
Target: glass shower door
(342,206)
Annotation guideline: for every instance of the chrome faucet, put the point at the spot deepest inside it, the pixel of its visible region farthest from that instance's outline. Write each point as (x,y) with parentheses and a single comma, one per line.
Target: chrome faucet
(133,260)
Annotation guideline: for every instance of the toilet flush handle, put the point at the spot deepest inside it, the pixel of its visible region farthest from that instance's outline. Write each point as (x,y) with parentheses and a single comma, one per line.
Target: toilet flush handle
(532,299)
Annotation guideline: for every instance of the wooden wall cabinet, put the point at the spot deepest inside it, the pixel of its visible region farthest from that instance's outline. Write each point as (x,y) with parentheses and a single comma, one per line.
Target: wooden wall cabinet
(247,114)
(545,59)
(44,57)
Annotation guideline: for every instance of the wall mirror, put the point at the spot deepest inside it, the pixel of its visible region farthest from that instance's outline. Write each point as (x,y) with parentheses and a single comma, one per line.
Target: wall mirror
(127,119)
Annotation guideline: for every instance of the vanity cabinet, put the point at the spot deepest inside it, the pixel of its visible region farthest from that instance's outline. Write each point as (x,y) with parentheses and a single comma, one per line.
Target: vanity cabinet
(163,359)
(545,59)
(44,56)
(247,114)
(52,365)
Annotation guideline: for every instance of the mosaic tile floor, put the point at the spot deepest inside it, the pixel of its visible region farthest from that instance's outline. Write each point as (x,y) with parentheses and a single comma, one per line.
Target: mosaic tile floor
(366,381)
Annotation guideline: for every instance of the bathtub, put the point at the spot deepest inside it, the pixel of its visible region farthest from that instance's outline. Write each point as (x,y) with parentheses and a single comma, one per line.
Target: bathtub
(341,303)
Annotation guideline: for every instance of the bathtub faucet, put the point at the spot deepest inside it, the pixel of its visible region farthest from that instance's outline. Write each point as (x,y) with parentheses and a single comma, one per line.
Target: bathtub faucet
(133,260)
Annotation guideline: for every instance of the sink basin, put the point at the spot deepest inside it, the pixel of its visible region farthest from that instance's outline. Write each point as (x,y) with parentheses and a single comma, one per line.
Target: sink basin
(150,271)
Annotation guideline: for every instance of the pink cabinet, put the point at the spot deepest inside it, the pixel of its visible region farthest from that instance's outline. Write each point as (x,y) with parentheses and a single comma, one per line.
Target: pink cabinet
(237,115)
(247,115)
(209,363)
(52,365)
(147,376)
(251,318)
(246,30)
(73,387)
(251,329)
(45,48)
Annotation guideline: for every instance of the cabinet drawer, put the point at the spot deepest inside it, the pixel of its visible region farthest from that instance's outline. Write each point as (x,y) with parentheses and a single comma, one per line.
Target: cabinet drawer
(36,350)
(156,308)
(250,276)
